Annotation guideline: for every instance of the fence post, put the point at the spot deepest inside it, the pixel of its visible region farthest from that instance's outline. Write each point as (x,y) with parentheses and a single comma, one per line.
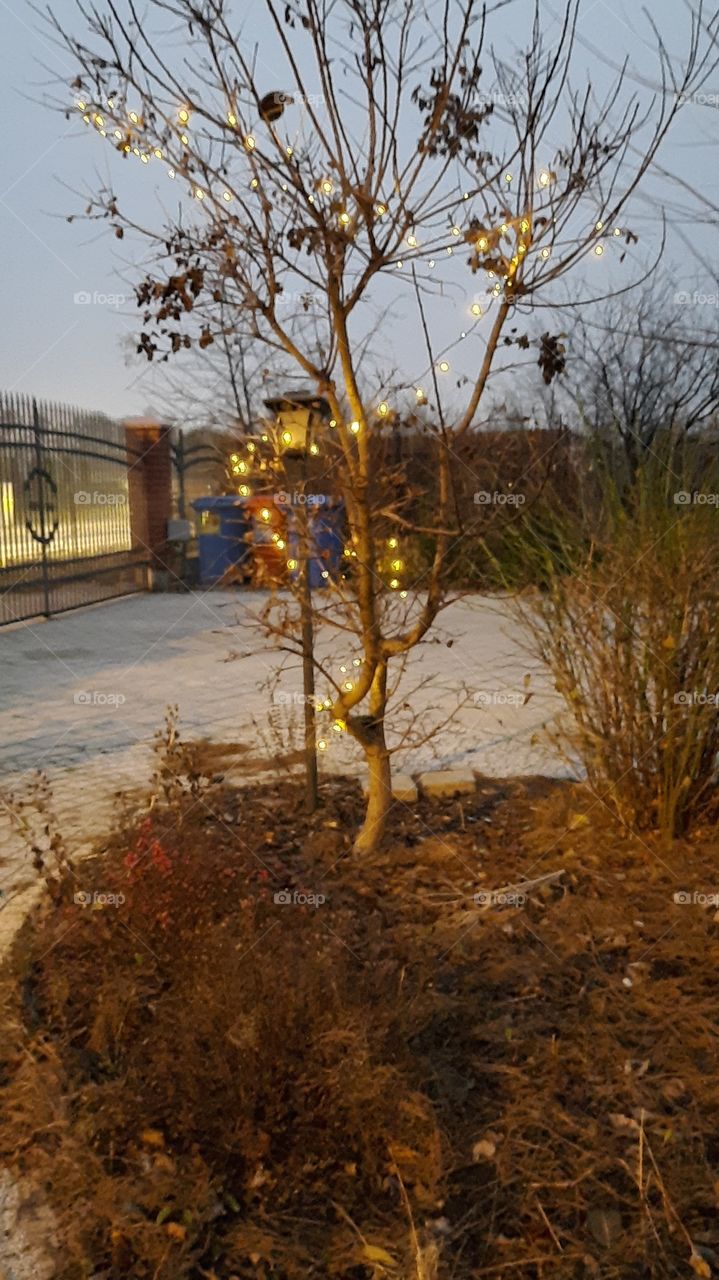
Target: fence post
(149,486)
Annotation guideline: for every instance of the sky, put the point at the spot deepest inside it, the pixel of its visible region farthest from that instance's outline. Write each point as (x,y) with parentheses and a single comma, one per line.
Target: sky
(68,321)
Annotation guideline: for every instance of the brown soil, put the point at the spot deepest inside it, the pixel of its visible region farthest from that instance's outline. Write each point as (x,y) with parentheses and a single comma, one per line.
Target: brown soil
(529,1085)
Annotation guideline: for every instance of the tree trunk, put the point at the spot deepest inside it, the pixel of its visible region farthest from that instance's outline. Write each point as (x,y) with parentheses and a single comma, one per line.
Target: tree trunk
(379,774)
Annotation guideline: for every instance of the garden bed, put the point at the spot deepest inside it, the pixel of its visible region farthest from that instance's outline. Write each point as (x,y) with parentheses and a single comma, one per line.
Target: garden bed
(372,1074)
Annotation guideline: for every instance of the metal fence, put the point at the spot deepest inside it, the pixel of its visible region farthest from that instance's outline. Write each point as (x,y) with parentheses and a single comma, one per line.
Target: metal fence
(66,535)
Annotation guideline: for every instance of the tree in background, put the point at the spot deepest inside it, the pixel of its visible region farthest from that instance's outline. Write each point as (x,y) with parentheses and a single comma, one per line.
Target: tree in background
(392,156)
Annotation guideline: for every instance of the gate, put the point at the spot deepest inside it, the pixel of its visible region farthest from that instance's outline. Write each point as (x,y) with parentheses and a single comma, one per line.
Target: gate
(67,483)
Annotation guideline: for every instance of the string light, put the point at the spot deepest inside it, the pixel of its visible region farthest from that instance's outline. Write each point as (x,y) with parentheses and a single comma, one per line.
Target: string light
(254,184)
(476,309)
(391,542)
(170,173)
(134,117)
(333,422)
(507,177)
(321,744)
(403,595)
(183,115)
(231,119)
(456,231)
(348,686)
(412,242)
(158,153)
(599,226)
(545,177)
(289,152)
(118,134)
(184,139)
(383,409)
(431,263)
(287,437)
(99,121)
(398,265)
(327,187)
(444,366)
(345,218)
(546,253)
(338,726)
(599,250)
(397,565)
(450,250)
(199,194)
(354,427)
(314,449)
(244,491)
(381,210)
(81,106)
(250,142)
(617,231)
(394,584)
(356,662)
(291,565)
(227,195)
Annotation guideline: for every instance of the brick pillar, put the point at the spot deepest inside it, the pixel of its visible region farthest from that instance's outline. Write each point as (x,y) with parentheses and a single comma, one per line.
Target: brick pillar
(149,485)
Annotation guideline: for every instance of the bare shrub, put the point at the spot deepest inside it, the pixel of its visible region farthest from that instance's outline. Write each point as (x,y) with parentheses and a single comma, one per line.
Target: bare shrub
(628,626)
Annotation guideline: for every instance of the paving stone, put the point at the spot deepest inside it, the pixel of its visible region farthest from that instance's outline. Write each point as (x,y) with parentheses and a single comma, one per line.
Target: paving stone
(404,788)
(448,782)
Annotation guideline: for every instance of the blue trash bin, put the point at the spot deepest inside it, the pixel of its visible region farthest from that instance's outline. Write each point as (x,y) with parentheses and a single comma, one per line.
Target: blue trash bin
(326,532)
(223,524)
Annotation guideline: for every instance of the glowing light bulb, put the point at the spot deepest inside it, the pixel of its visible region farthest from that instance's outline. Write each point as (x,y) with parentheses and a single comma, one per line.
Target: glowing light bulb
(321,744)
(118,134)
(456,231)
(412,242)
(170,173)
(545,177)
(231,119)
(144,159)
(403,595)
(250,142)
(333,422)
(354,427)
(465,196)
(381,210)
(262,437)
(348,686)
(291,565)
(134,117)
(356,662)
(265,513)
(281,544)
(476,309)
(287,437)
(244,491)
(394,584)
(345,218)
(483,244)
(617,231)
(184,139)
(546,253)
(383,409)
(98,120)
(314,449)
(327,187)
(450,250)
(599,226)
(227,195)
(254,184)
(343,669)
(444,366)
(599,250)
(430,264)
(504,228)
(507,177)
(158,153)
(397,565)
(81,106)
(338,726)
(289,153)
(199,194)
(183,115)
(391,542)
(420,393)
(524,225)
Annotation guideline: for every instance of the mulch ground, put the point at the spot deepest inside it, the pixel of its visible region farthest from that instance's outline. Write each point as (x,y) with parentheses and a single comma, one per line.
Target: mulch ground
(564,1026)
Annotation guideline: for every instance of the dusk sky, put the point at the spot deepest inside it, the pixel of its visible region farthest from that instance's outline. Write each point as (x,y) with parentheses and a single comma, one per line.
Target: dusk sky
(59,348)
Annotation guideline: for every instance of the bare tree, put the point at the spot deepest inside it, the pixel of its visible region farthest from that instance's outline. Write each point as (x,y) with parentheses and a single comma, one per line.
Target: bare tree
(638,372)
(383,150)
